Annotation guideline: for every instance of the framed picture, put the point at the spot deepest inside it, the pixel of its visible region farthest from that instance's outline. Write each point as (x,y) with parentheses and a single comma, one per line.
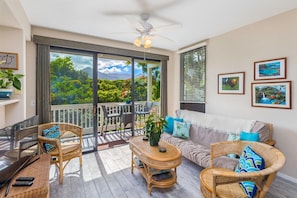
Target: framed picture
(270,69)
(272,94)
(231,83)
(8,60)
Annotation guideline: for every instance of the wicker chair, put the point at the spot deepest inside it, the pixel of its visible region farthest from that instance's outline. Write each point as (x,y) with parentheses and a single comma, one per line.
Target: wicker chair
(64,151)
(220,182)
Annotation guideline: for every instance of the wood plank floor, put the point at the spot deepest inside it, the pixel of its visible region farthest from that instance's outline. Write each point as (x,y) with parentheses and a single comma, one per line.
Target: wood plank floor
(107,174)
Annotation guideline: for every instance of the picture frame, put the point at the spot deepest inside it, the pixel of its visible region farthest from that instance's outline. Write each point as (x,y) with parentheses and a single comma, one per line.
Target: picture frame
(8,60)
(270,69)
(275,94)
(231,83)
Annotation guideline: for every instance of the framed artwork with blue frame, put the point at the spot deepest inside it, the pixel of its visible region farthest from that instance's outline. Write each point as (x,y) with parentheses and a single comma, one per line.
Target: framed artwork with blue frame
(272,94)
(270,69)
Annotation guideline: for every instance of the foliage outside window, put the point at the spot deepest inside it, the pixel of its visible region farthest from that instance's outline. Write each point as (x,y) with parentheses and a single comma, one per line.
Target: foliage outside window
(193,65)
(70,85)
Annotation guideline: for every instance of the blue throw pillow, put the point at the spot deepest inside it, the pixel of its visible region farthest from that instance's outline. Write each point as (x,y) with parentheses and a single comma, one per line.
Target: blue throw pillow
(249,136)
(232,137)
(169,127)
(181,129)
(53,132)
(249,161)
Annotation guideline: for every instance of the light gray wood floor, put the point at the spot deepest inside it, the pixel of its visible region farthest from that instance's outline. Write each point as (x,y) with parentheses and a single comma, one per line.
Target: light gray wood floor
(106,174)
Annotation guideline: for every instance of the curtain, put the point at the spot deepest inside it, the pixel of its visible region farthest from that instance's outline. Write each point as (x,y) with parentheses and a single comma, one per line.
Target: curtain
(43,83)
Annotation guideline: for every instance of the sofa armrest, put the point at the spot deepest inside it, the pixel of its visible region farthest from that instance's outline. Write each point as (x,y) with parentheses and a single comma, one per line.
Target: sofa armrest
(270,142)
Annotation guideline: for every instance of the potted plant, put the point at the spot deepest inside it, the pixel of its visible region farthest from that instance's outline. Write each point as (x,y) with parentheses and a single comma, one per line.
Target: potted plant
(7,80)
(154,128)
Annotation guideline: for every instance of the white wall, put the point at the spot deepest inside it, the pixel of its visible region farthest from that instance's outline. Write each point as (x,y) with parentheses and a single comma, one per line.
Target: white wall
(13,40)
(237,51)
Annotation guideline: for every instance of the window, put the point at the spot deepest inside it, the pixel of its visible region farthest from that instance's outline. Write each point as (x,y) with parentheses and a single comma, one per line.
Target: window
(193,64)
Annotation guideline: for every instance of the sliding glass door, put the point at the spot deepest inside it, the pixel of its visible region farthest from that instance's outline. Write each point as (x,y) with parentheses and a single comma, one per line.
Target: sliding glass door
(71,89)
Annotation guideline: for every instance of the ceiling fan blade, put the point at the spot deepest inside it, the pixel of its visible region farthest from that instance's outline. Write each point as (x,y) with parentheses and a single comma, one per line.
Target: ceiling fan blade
(164,18)
(162,37)
(146,7)
(168,27)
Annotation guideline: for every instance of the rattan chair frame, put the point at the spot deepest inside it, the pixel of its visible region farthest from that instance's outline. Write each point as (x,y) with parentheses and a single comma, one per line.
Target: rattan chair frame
(64,152)
(221,182)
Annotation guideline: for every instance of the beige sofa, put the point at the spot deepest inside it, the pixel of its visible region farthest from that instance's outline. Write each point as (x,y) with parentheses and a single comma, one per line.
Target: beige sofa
(206,129)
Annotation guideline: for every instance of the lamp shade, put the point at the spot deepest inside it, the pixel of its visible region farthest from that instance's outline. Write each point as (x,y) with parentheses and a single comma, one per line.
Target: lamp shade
(147,42)
(137,42)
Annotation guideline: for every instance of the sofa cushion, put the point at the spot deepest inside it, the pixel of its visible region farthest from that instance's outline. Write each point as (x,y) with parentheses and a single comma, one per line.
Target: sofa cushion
(218,122)
(206,136)
(246,136)
(181,129)
(170,121)
(263,129)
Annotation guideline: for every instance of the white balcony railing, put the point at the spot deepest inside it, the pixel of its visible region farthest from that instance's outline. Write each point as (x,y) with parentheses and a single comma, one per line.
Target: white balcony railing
(82,114)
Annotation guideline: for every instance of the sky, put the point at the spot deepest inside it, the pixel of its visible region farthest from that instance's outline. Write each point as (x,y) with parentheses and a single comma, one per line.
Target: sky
(107,67)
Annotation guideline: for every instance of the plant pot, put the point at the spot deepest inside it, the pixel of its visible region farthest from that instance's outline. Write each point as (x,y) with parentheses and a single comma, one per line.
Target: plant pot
(5,93)
(154,138)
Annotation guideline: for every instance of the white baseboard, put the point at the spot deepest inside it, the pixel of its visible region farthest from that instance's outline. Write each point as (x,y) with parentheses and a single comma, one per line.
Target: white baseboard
(287,177)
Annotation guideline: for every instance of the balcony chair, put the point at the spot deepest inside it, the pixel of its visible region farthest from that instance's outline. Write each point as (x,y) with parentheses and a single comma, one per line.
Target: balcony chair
(61,149)
(28,144)
(145,111)
(221,182)
(23,137)
(108,116)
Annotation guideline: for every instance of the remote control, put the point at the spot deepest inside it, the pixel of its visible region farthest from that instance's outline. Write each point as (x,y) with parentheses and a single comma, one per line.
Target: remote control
(23,183)
(25,179)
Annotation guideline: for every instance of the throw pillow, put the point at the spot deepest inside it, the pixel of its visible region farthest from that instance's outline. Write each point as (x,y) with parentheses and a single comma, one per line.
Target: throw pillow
(53,132)
(169,126)
(249,161)
(181,129)
(232,137)
(249,136)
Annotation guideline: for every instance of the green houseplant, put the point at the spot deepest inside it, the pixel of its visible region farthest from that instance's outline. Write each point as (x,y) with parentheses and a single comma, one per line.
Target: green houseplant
(154,128)
(9,79)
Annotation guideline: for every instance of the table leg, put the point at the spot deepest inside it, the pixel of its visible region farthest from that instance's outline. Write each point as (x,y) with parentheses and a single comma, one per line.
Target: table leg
(132,162)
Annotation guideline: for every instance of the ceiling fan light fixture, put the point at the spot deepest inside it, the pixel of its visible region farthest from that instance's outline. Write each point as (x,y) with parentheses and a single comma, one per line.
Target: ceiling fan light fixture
(137,42)
(147,42)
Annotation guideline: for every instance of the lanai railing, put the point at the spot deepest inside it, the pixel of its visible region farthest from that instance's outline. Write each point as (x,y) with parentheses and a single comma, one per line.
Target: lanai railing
(82,114)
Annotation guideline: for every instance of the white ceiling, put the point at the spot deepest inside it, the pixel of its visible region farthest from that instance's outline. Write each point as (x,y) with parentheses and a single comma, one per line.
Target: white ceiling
(197,19)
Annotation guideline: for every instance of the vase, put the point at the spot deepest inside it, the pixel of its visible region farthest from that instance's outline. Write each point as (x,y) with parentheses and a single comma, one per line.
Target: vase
(5,93)
(154,138)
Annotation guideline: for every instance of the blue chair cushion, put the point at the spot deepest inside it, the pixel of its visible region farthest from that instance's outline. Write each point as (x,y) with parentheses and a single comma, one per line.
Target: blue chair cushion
(170,121)
(249,136)
(53,132)
(181,129)
(249,161)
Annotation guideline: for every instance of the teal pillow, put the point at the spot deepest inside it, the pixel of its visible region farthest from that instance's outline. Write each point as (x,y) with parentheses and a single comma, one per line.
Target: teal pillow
(53,132)
(232,137)
(249,136)
(169,127)
(249,161)
(181,129)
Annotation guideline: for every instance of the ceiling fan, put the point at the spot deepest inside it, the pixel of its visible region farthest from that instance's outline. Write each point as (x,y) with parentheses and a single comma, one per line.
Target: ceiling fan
(144,28)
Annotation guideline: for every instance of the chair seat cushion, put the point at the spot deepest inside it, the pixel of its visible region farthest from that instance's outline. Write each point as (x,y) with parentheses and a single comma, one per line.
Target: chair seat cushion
(223,191)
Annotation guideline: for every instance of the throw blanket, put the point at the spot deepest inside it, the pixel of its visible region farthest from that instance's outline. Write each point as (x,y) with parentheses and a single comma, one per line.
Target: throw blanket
(219,123)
